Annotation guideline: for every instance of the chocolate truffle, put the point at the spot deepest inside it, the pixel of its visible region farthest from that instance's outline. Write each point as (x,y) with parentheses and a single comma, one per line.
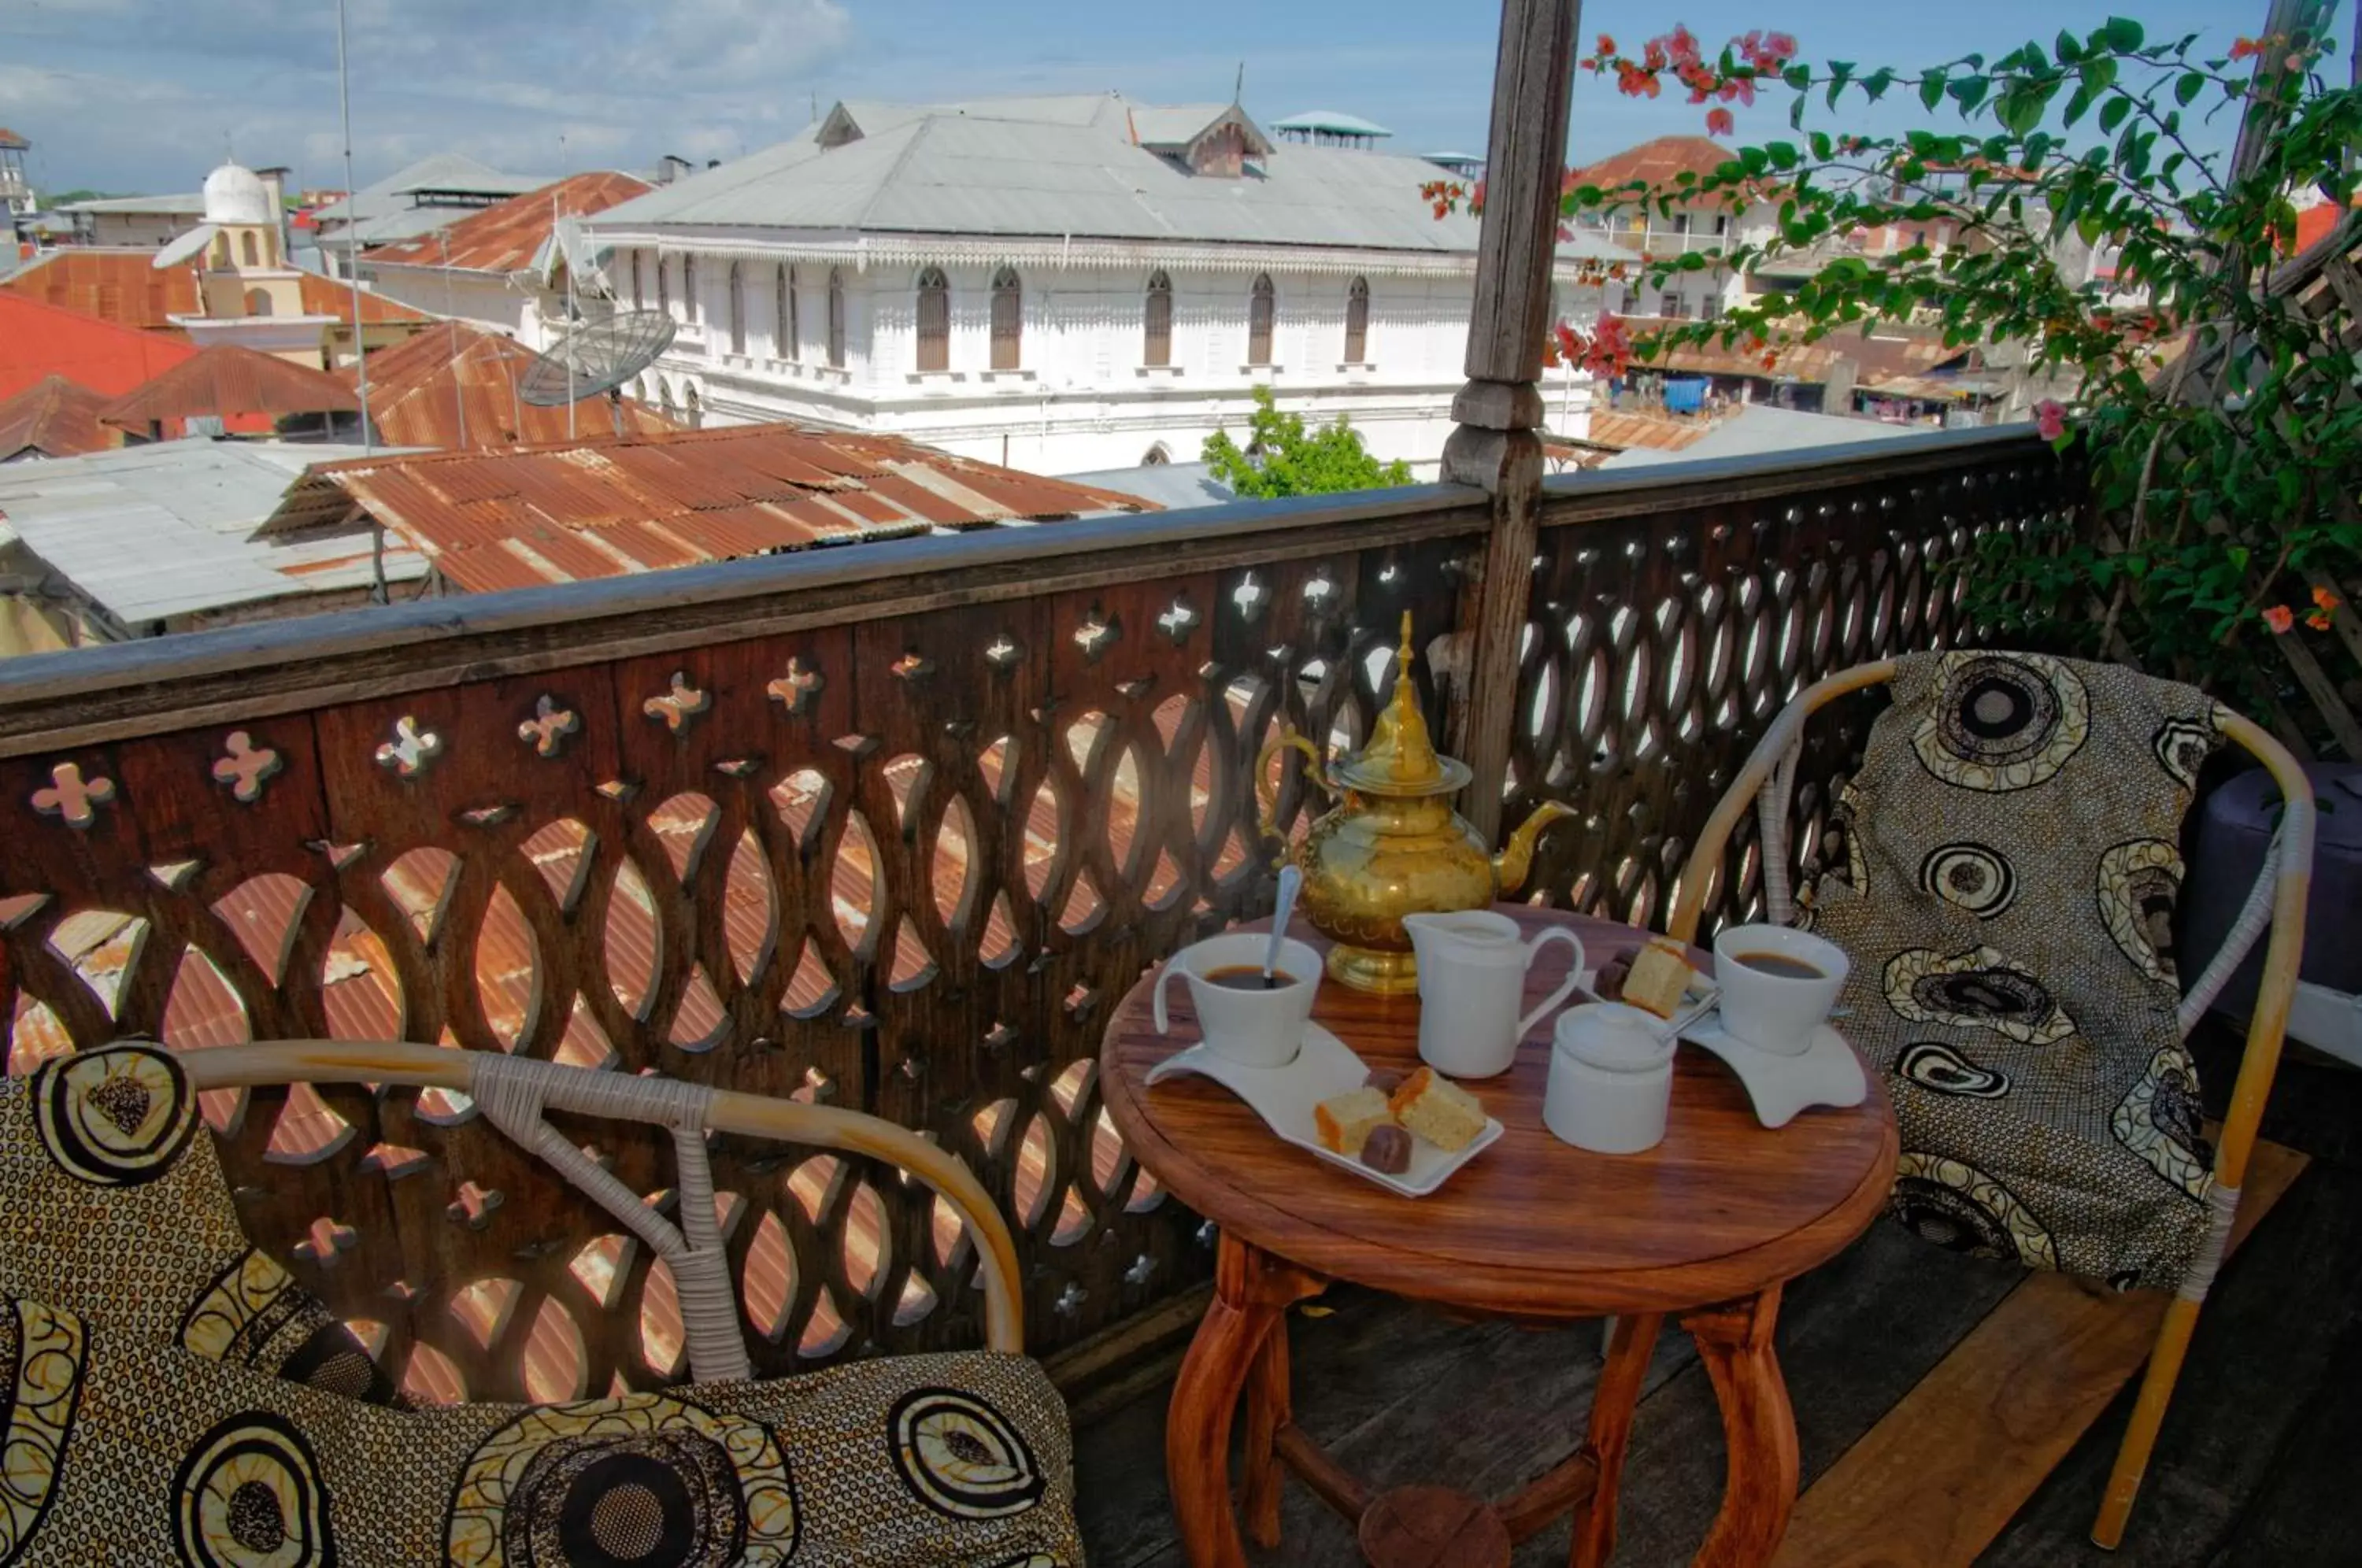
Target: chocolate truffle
(1386,1149)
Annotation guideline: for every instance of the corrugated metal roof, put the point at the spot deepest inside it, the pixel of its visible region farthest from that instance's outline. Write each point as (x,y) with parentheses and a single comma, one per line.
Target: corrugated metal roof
(454,387)
(55,418)
(38,339)
(1758,427)
(170,529)
(1071,168)
(185,203)
(226,381)
(326,296)
(505,238)
(517,519)
(436,171)
(1332,121)
(124,287)
(1173,486)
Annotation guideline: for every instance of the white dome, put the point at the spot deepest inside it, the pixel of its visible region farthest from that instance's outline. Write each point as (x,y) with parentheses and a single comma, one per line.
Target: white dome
(236,194)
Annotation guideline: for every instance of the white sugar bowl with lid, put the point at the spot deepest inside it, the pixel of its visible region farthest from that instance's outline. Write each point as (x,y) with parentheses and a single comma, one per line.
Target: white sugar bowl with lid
(1611,1079)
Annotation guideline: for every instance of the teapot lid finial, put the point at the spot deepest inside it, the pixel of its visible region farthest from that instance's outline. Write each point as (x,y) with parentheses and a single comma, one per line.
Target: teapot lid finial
(1401,758)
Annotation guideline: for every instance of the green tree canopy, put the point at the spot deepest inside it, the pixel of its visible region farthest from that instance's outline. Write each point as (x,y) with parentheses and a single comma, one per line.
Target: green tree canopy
(1283,457)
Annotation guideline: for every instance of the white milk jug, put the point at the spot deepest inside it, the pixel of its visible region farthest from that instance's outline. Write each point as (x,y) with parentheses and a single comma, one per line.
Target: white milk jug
(1472,976)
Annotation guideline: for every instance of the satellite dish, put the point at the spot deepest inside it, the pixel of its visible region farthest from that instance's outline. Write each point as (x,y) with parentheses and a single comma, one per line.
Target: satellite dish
(597,358)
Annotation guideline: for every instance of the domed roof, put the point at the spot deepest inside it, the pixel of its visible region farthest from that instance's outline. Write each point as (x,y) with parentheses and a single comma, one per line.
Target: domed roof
(235,194)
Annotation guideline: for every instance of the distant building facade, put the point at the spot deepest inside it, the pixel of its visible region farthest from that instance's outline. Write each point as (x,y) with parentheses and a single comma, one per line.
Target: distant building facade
(1065,284)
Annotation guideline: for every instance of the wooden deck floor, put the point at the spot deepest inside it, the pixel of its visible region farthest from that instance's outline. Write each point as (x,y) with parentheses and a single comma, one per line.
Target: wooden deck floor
(2261,1463)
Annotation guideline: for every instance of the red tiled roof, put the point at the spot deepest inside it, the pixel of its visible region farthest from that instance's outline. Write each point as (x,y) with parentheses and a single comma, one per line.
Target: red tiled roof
(55,417)
(1658,162)
(2314,224)
(504,238)
(122,287)
(228,382)
(38,339)
(454,387)
(520,519)
(10,138)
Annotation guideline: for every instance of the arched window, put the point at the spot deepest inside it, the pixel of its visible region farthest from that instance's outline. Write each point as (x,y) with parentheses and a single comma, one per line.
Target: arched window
(1157,318)
(1008,320)
(1158,457)
(1259,313)
(783,313)
(688,288)
(221,252)
(638,297)
(247,250)
(737,310)
(663,387)
(835,319)
(1357,323)
(258,302)
(934,320)
(696,411)
(664,284)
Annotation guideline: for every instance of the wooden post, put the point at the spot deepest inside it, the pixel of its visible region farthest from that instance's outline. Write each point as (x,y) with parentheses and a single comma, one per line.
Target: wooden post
(1499,411)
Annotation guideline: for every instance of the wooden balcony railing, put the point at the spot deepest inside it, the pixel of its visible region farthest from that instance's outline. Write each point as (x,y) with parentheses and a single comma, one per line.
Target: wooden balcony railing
(890,826)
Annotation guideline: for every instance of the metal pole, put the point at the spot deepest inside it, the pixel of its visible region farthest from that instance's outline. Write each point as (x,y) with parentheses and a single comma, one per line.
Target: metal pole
(378,594)
(569,310)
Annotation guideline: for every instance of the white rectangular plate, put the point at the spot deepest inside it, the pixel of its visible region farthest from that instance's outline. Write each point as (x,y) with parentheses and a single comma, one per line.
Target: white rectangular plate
(1325,1068)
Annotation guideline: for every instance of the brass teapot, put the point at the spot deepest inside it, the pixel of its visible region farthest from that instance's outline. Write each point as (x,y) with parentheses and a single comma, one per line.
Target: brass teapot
(1392,846)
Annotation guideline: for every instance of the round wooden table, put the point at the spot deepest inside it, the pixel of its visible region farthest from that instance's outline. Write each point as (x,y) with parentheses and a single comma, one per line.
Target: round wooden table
(1709,1225)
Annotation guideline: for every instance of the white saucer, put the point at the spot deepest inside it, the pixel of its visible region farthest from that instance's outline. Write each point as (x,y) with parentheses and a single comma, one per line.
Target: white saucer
(1325,1068)
(1828,1072)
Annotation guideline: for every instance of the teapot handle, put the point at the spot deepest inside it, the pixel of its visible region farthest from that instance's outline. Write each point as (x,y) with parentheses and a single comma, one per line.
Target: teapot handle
(1267,788)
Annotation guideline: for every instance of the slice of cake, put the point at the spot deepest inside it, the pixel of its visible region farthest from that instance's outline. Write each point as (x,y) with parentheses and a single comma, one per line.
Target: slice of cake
(1660,976)
(1344,1124)
(1438,1109)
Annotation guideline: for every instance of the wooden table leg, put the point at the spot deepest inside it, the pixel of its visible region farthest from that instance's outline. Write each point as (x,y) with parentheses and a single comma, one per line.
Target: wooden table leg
(1268,1410)
(1734,1340)
(1252,1291)
(1609,1433)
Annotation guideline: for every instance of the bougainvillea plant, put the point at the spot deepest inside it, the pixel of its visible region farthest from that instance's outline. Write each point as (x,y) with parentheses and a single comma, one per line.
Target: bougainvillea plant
(2218,414)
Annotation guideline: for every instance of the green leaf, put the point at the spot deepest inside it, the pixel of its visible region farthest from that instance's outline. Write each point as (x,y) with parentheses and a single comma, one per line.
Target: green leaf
(1799,77)
(1840,72)
(2124,35)
(1876,83)
(1931,88)
(1783,154)
(2187,90)
(1823,147)
(1968,92)
(2067,49)
(2112,113)
(2078,104)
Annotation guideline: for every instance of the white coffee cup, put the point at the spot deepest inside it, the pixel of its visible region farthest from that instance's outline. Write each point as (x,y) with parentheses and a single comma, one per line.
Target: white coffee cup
(1256,1028)
(1770,1010)
(1472,976)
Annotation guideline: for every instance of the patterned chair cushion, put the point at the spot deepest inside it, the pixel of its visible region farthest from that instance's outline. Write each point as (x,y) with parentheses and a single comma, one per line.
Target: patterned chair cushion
(2002,872)
(161,1405)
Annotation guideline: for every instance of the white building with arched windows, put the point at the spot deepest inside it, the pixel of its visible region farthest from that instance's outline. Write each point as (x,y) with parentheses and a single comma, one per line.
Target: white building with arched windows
(1065,283)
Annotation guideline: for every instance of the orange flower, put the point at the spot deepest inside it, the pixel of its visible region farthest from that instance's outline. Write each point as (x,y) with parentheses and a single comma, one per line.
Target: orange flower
(2244,49)
(2280,618)
(2325,599)
(2318,620)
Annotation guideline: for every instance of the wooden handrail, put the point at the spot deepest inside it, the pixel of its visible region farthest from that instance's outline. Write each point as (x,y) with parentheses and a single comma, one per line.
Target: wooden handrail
(749,1115)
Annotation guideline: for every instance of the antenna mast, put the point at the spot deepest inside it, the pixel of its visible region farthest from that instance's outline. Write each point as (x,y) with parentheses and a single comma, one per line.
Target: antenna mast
(353,277)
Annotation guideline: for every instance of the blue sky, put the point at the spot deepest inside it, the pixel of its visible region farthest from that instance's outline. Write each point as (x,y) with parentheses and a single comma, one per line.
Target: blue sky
(143,96)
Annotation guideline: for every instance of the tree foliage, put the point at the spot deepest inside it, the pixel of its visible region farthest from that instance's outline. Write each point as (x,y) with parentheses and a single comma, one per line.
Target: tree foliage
(2218,417)
(1283,457)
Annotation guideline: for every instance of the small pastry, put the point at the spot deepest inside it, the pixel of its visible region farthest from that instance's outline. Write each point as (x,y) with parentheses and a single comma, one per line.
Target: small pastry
(1382,1081)
(1660,977)
(1387,1149)
(1438,1109)
(1344,1124)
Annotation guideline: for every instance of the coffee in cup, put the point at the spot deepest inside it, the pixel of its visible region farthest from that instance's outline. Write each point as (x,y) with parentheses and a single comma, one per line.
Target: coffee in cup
(1777,985)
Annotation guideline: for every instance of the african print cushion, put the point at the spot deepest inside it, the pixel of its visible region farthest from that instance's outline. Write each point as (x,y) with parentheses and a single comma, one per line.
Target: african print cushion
(171,1396)
(119,1211)
(129,1450)
(2002,872)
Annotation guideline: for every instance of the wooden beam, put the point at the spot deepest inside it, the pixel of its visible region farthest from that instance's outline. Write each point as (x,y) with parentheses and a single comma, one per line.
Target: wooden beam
(1498,411)
(1944,1471)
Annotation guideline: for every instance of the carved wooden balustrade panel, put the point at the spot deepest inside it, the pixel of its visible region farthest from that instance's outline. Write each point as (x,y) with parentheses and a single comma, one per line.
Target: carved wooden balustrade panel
(1662,643)
(901,864)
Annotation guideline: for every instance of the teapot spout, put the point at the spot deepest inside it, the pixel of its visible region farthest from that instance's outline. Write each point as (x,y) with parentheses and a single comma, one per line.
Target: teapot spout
(1509,867)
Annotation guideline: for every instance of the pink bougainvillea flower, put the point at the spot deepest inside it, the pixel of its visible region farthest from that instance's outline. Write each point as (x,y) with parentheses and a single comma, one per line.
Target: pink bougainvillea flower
(1719,123)
(2323,599)
(2318,620)
(2244,49)
(1781,46)
(2050,419)
(1606,45)
(2280,618)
